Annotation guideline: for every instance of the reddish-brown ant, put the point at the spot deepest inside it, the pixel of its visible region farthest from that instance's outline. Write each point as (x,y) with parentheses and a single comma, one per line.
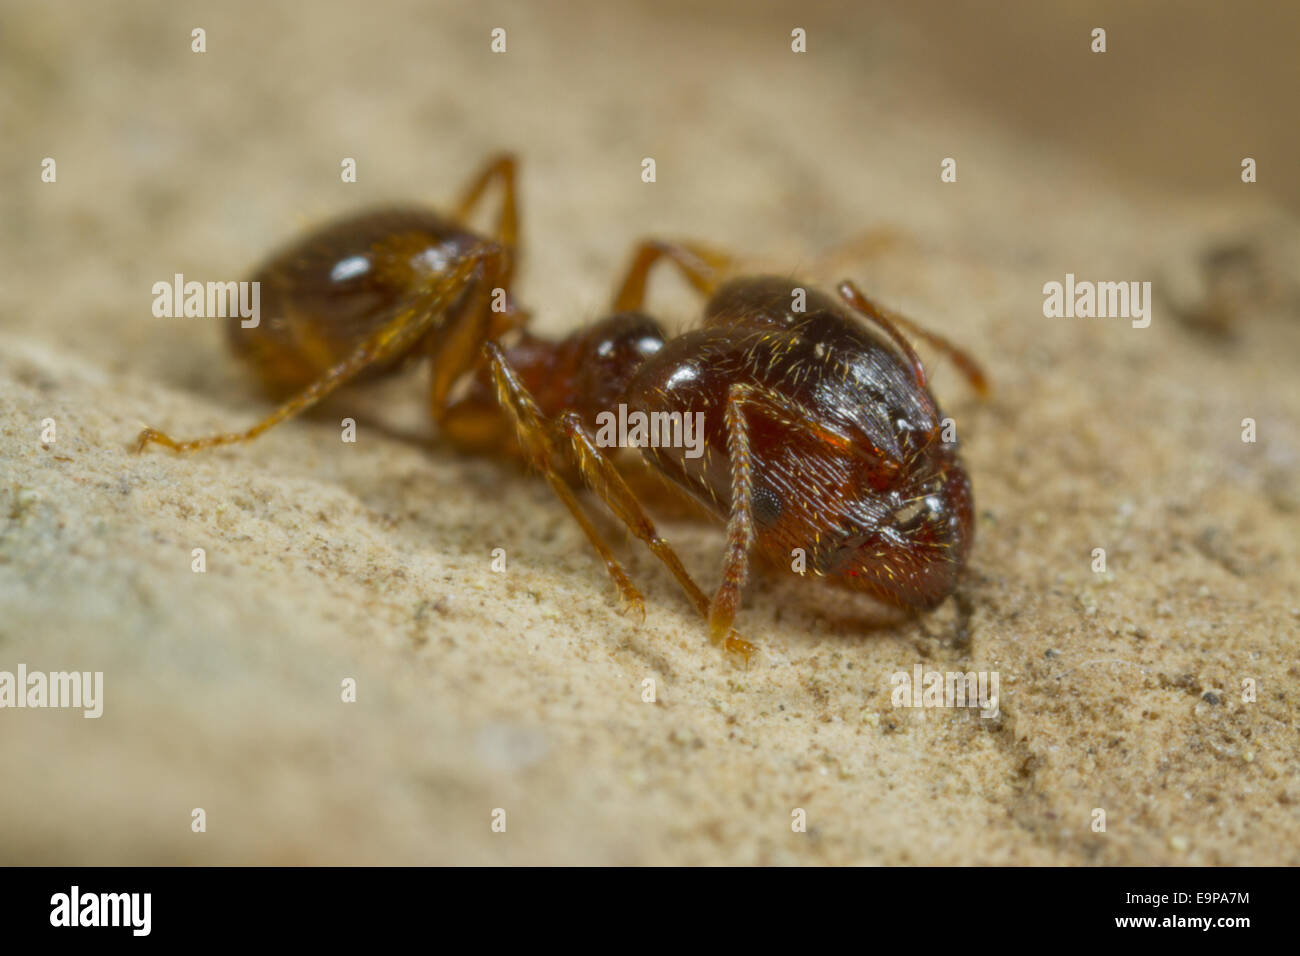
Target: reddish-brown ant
(821,437)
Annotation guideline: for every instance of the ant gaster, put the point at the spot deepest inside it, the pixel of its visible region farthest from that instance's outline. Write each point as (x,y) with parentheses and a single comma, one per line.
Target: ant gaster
(821,437)
(357,298)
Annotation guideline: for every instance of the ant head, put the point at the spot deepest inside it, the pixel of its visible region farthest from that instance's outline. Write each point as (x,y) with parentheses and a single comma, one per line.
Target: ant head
(908,549)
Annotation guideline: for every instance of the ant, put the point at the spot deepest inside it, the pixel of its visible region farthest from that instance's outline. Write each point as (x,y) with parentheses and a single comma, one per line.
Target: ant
(821,437)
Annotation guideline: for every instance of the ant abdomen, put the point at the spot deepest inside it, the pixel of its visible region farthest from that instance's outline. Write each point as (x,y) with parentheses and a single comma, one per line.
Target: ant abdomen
(325,294)
(358,297)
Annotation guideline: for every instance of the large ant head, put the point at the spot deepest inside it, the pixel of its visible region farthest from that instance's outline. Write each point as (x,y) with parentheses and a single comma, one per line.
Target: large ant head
(907,543)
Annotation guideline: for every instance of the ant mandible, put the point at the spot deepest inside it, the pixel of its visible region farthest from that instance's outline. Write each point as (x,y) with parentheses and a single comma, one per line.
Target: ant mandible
(821,437)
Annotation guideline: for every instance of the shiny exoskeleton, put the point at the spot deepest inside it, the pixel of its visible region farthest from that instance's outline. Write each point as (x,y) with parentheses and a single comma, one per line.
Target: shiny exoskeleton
(823,448)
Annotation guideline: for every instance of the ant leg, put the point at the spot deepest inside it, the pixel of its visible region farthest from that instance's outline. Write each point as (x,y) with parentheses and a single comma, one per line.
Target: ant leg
(600,473)
(457,346)
(777,410)
(889,320)
(541,451)
(502,167)
(400,333)
(787,414)
(740,523)
(703,268)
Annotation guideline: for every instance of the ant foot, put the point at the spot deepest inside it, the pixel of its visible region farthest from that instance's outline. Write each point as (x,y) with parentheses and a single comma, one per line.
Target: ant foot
(147,437)
(737,645)
(632,604)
